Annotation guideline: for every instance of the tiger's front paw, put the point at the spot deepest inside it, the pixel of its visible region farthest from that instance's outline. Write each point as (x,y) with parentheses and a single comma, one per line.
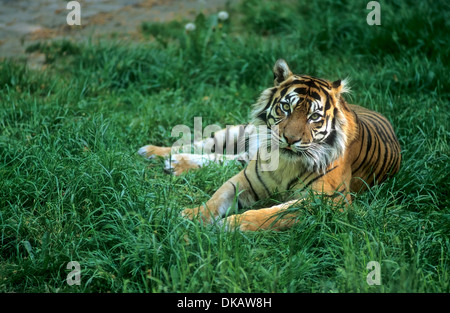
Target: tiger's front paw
(197,213)
(243,222)
(262,219)
(189,213)
(179,164)
(149,151)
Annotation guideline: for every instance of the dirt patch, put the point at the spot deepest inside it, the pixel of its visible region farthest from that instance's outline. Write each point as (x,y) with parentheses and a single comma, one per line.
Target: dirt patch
(24,22)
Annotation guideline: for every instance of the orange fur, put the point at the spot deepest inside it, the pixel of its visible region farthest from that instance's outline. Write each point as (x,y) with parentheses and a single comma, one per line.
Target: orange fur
(183,165)
(150,151)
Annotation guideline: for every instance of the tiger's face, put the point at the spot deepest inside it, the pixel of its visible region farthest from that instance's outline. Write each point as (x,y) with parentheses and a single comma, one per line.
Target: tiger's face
(306,115)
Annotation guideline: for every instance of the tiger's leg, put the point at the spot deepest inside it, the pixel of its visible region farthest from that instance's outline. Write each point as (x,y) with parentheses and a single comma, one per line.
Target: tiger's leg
(236,191)
(220,140)
(150,151)
(183,162)
(176,162)
(273,218)
(230,140)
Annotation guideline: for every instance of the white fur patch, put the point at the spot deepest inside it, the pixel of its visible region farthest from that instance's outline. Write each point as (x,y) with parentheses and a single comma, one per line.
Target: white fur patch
(193,160)
(345,88)
(143,152)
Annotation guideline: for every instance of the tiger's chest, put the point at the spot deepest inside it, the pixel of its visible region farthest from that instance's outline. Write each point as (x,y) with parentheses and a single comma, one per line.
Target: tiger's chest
(289,180)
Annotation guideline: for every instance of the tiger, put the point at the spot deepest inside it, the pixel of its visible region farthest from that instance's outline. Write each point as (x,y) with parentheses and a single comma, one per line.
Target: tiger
(326,146)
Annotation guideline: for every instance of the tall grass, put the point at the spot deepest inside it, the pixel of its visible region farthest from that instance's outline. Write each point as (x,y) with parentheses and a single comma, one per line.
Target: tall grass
(73,189)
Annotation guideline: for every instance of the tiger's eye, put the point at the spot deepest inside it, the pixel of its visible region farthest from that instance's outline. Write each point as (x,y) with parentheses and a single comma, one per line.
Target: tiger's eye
(286,107)
(314,116)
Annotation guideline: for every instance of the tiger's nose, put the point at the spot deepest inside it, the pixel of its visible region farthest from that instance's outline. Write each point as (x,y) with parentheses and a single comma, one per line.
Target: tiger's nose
(290,139)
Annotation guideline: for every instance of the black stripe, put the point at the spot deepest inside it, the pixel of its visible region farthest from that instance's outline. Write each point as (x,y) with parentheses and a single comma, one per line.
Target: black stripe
(321,82)
(243,162)
(283,92)
(251,187)
(369,146)
(268,104)
(332,136)
(398,161)
(319,176)
(387,150)
(315,95)
(377,157)
(385,165)
(237,196)
(325,91)
(263,117)
(258,160)
(388,165)
(300,81)
(295,180)
(398,158)
(301,90)
(234,186)
(327,102)
(361,129)
(365,168)
(292,183)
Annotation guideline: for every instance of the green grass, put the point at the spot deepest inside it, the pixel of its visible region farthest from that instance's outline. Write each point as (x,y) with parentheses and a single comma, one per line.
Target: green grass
(72,187)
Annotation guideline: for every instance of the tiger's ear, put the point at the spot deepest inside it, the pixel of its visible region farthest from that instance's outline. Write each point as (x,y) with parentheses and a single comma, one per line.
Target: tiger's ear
(339,87)
(281,72)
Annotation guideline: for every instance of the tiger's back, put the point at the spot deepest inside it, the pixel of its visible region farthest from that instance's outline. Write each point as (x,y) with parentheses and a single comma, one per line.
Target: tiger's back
(375,153)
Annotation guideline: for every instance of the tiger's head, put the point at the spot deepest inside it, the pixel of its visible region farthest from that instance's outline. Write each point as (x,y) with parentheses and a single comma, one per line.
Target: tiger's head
(310,120)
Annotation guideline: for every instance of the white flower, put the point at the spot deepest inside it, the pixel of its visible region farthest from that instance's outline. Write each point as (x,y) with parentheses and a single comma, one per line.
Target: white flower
(223,15)
(190,27)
